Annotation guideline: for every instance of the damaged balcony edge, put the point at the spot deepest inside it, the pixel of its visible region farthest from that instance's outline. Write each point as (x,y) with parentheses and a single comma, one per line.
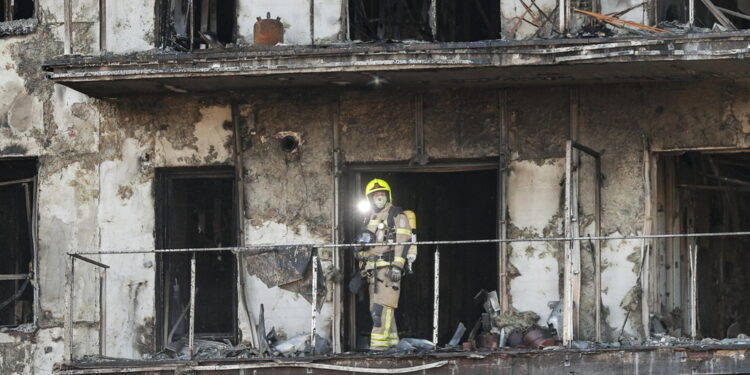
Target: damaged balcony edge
(401,57)
(690,356)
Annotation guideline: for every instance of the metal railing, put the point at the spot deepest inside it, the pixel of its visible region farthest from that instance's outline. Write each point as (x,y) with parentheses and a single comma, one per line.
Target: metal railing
(261,249)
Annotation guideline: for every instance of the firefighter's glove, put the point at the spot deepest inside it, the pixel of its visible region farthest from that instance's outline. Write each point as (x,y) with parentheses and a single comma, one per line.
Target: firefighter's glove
(395,273)
(359,255)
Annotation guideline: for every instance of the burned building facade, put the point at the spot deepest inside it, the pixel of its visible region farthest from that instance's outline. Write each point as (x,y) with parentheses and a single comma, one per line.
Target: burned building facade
(598,155)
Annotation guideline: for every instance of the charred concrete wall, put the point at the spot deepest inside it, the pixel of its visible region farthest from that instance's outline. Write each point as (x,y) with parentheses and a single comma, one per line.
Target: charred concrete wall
(97,162)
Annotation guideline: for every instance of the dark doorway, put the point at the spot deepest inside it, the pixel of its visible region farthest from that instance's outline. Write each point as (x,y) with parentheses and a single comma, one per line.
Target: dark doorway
(17,202)
(448,206)
(213,23)
(466,21)
(380,20)
(195,209)
(707,193)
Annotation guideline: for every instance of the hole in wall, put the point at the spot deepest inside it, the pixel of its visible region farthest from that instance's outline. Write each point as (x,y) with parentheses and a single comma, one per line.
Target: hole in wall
(289,143)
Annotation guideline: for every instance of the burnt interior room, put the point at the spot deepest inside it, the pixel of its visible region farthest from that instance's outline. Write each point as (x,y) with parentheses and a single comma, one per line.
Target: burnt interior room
(382,20)
(213,23)
(195,209)
(709,193)
(17,187)
(16,9)
(449,206)
(465,21)
(677,10)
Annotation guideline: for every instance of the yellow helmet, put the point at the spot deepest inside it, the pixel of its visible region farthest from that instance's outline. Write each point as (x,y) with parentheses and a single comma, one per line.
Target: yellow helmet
(378,185)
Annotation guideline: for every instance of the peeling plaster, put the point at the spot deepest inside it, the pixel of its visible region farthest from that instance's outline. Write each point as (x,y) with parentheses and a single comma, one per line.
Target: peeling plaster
(206,144)
(617,280)
(534,203)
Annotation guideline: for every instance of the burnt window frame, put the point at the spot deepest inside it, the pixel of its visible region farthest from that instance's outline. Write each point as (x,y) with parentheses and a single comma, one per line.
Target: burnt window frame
(164,25)
(677,11)
(20,26)
(434,27)
(32,193)
(389,29)
(165,176)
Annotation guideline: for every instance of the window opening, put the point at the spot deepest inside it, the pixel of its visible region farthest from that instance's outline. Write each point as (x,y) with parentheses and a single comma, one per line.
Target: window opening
(213,24)
(448,206)
(380,20)
(737,12)
(464,21)
(704,193)
(196,211)
(17,202)
(16,9)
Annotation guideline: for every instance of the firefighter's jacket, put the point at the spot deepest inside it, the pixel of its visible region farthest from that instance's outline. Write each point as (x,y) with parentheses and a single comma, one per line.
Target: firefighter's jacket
(388,225)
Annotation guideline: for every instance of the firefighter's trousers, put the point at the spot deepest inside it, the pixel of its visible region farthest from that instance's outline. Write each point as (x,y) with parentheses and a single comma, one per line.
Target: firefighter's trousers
(384,294)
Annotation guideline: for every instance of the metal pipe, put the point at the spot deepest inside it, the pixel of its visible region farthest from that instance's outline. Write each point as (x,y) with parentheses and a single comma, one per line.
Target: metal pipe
(191,328)
(34,235)
(68,324)
(502,209)
(17,276)
(16,182)
(239,180)
(191,16)
(312,22)
(89,260)
(102,26)
(68,38)
(561,5)
(335,230)
(436,298)
(586,149)
(732,13)
(260,249)
(567,331)
(693,252)
(314,312)
(598,245)
(103,313)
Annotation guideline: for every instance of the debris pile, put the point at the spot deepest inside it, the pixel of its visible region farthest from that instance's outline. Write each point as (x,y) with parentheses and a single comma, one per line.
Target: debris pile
(495,329)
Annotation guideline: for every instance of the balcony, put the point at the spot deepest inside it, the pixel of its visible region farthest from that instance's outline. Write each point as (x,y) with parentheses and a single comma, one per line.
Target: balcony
(360,65)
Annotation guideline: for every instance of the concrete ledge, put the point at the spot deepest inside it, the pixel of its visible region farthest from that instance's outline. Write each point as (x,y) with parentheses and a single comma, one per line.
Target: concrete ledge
(651,360)
(488,64)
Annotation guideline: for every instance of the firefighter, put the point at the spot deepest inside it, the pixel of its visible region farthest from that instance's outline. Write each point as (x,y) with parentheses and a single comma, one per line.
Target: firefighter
(383,266)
